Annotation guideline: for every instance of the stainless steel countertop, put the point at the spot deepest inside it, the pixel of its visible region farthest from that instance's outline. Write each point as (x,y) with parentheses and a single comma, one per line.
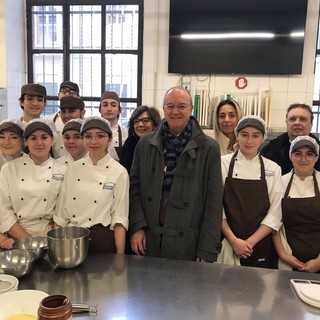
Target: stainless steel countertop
(131,287)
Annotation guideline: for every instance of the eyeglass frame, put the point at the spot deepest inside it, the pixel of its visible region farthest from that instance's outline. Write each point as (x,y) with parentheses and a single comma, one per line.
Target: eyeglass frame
(180,107)
(144,120)
(89,136)
(71,92)
(308,156)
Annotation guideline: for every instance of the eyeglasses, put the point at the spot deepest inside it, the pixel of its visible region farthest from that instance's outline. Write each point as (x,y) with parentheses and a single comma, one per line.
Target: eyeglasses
(100,137)
(308,156)
(69,91)
(180,107)
(143,120)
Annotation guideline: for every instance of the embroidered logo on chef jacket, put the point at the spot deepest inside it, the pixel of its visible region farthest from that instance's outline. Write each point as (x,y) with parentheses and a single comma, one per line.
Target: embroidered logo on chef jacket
(58,177)
(108,186)
(269,173)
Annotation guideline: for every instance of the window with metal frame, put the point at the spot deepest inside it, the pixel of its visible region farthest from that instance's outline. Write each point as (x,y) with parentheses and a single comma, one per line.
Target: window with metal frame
(96,44)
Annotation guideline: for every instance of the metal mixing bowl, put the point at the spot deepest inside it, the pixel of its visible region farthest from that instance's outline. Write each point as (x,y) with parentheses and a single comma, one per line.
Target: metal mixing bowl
(39,245)
(68,246)
(16,262)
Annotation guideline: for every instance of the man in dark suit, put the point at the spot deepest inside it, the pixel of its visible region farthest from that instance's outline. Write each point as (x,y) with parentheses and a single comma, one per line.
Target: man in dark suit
(299,123)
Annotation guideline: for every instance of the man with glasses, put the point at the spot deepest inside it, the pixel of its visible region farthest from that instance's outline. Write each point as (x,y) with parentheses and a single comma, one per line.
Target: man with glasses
(299,123)
(176,187)
(67,88)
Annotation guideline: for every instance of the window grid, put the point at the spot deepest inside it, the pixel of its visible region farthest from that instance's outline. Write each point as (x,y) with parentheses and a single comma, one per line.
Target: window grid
(53,56)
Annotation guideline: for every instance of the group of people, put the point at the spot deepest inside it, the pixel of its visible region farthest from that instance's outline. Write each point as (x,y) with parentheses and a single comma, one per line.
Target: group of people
(48,164)
(188,196)
(271,214)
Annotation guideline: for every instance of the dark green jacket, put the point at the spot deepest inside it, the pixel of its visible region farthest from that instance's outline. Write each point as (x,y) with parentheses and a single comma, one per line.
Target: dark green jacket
(192,225)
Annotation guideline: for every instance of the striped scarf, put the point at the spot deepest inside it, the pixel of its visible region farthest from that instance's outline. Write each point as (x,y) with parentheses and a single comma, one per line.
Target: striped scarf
(173,146)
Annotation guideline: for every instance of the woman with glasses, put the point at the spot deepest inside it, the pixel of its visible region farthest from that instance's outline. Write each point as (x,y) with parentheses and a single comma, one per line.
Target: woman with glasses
(143,120)
(297,243)
(95,191)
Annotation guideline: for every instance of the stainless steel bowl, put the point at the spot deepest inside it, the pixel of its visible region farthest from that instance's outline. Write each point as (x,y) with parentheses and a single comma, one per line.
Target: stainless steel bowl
(17,262)
(39,245)
(68,246)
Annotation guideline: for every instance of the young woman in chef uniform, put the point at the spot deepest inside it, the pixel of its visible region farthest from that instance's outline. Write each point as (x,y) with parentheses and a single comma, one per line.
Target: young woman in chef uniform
(73,142)
(11,140)
(297,242)
(252,199)
(11,145)
(29,185)
(95,192)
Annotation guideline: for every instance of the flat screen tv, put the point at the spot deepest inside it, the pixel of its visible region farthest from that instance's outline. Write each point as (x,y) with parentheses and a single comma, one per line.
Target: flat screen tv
(236,36)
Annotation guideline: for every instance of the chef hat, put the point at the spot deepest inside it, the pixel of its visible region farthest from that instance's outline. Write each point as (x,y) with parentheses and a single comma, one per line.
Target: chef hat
(252,121)
(110,95)
(304,141)
(40,124)
(70,85)
(73,124)
(33,89)
(70,102)
(95,122)
(13,125)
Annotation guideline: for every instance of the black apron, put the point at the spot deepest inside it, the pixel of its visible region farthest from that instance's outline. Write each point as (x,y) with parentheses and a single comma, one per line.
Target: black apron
(301,220)
(101,239)
(119,148)
(246,203)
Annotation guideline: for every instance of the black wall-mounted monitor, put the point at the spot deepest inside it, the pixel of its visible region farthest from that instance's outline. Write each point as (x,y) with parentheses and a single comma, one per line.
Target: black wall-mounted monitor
(236,36)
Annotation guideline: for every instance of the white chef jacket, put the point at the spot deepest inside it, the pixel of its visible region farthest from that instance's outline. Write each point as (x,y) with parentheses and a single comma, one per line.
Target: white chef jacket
(66,159)
(28,194)
(4,159)
(299,188)
(93,195)
(115,140)
(250,170)
(58,146)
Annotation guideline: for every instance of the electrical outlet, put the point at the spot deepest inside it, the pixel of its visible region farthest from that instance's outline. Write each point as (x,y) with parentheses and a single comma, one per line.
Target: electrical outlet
(186,81)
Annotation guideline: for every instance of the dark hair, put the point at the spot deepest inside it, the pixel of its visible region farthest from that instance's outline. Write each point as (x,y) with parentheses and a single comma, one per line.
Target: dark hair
(227,101)
(153,113)
(21,99)
(300,105)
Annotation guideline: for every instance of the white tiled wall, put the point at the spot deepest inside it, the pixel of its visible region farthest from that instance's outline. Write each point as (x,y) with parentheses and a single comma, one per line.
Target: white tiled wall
(285,89)
(156,80)
(12,53)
